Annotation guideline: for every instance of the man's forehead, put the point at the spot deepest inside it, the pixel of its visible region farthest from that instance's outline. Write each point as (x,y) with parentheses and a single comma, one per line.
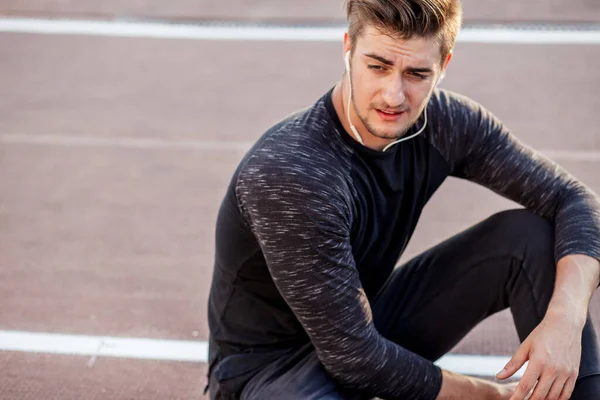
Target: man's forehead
(417,49)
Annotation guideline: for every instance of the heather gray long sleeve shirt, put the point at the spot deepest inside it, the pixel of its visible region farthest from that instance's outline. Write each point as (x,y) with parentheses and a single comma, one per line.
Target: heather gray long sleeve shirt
(313,224)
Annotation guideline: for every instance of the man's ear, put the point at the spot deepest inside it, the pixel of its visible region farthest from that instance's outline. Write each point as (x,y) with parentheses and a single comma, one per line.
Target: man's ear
(347,44)
(447,61)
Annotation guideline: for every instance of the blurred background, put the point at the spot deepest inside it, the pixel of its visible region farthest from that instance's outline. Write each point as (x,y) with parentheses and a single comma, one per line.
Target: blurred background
(118,139)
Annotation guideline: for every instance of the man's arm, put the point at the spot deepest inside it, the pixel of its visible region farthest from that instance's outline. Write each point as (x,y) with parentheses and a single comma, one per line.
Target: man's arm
(303,228)
(484,151)
(478,147)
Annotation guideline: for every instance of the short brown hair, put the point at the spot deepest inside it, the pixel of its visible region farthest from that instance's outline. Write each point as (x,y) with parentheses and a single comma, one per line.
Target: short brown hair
(405,19)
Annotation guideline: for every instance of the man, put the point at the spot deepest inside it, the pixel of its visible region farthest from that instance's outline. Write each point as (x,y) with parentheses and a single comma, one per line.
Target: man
(305,302)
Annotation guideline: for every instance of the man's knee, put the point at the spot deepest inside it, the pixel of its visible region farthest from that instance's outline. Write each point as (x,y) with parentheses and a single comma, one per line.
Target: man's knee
(526,231)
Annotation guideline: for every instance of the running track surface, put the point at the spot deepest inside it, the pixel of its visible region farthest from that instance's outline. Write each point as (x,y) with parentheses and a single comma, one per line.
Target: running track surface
(105,236)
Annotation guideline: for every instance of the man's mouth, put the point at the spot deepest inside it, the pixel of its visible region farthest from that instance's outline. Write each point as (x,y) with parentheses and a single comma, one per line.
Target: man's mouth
(389,115)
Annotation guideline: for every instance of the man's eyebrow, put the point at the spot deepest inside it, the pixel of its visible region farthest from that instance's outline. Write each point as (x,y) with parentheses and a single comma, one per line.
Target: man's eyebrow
(420,70)
(380,59)
(390,63)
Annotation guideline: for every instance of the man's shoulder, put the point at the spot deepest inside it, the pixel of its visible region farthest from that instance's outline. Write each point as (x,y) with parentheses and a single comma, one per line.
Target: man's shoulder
(302,146)
(310,127)
(445,102)
(451,113)
(460,125)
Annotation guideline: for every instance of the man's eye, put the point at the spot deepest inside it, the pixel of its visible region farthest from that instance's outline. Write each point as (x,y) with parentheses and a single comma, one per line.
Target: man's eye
(419,76)
(376,67)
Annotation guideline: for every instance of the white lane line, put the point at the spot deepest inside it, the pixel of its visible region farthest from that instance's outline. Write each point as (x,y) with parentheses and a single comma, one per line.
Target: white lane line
(185,351)
(124,142)
(520,36)
(145,143)
(487,366)
(163,30)
(100,346)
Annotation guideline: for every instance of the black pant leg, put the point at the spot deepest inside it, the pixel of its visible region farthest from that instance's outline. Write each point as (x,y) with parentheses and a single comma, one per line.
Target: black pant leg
(429,304)
(298,375)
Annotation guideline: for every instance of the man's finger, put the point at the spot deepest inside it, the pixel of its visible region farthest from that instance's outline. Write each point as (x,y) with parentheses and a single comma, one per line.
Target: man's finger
(568,389)
(558,387)
(516,362)
(529,380)
(547,381)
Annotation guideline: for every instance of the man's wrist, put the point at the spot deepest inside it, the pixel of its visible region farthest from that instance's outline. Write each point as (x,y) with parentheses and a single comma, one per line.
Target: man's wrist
(576,279)
(565,317)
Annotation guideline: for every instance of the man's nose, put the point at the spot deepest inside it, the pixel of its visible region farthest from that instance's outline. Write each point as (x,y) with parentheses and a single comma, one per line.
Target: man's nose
(393,93)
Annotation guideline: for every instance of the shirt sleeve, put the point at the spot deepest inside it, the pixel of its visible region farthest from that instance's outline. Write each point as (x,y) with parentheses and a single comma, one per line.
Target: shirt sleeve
(484,151)
(302,224)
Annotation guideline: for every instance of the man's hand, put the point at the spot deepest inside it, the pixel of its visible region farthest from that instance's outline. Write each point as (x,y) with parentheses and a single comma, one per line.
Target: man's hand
(553,350)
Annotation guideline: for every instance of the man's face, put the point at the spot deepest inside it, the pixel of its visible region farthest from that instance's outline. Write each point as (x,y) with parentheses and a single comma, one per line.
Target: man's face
(392,80)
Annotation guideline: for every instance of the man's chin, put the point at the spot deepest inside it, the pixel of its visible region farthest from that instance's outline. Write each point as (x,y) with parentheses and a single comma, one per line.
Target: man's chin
(390,131)
(388,134)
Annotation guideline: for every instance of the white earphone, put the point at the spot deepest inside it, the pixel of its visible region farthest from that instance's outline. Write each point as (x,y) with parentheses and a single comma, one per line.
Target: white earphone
(441,77)
(347,58)
(353,129)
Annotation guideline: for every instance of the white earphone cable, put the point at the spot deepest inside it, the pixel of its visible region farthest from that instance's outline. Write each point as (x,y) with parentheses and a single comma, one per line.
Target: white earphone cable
(411,136)
(352,128)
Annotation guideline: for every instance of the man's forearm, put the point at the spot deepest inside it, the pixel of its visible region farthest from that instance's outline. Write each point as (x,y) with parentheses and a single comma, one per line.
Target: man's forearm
(456,387)
(577,276)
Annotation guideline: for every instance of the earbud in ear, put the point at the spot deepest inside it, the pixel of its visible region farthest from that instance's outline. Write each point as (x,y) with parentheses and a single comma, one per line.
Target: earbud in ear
(347,58)
(441,78)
